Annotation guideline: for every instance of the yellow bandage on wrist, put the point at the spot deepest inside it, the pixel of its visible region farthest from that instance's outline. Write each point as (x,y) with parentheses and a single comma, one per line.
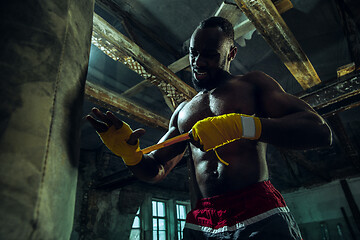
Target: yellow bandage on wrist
(213,132)
(116,141)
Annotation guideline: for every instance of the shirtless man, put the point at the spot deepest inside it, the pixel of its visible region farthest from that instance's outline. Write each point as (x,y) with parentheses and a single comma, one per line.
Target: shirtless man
(231,120)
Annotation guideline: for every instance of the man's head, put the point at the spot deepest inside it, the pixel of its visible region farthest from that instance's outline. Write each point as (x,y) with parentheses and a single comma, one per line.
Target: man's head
(211,51)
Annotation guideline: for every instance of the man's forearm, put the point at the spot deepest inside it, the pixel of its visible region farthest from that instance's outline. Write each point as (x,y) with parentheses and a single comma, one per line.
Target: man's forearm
(148,170)
(152,169)
(302,130)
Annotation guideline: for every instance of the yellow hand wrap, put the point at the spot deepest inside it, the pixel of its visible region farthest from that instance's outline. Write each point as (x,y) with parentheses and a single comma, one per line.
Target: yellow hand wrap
(213,132)
(116,141)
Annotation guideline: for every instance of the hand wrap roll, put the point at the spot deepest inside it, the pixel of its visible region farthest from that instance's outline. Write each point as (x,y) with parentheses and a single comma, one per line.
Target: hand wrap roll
(213,132)
(116,141)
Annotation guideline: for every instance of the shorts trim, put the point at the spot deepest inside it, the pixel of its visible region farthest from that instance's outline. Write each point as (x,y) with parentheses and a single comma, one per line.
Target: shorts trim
(239,225)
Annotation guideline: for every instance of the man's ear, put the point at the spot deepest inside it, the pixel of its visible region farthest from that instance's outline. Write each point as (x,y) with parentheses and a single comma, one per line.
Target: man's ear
(232,53)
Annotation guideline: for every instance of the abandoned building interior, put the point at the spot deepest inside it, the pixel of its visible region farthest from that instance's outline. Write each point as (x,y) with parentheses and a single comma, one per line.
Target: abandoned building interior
(59,59)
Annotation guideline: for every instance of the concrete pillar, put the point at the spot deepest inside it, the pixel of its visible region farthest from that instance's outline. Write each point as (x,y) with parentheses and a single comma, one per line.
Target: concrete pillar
(44,51)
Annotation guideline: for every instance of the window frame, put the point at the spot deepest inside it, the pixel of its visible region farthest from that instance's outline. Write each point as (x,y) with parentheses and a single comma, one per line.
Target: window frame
(187,209)
(166,217)
(146,216)
(140,228)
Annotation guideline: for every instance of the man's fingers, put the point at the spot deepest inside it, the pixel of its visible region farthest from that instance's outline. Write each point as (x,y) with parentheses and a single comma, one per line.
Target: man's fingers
(135,136)
(101,116)
(98,125)
(109,118)
(114,120)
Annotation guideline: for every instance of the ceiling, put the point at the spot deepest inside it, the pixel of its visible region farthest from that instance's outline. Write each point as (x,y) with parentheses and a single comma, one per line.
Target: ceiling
(163,27)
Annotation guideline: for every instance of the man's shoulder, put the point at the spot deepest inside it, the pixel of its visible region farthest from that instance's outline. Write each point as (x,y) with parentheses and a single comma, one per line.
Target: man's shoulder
(179,108)
(253,77)
(174,116)
(258,79)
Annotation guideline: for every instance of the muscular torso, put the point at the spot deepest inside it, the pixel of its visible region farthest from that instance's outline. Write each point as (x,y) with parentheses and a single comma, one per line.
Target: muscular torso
(246,158)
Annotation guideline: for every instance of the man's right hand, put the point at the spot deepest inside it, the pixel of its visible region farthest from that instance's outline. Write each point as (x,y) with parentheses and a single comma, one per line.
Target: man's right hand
(117,136)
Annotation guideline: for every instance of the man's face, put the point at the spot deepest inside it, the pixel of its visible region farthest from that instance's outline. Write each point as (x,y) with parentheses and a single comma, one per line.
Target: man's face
(209,56)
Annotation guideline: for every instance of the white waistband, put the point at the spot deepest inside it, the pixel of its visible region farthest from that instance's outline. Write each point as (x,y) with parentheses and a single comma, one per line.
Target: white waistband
(240,224)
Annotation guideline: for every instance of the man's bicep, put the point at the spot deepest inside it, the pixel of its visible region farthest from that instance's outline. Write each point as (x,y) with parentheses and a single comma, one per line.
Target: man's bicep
(279,104)
(272,101)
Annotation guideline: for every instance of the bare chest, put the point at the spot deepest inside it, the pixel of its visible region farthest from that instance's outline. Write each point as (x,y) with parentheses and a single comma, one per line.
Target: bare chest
(214,103)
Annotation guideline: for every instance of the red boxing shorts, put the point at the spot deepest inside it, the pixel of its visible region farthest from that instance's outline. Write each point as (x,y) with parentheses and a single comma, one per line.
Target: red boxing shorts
(256,212)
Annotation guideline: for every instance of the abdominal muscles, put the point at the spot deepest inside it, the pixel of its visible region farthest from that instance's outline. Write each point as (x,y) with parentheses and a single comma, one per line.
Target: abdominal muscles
(247,166)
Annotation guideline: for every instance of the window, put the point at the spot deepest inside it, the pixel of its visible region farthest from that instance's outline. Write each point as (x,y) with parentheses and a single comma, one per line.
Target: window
(159,220)
(180,219)
(135,233)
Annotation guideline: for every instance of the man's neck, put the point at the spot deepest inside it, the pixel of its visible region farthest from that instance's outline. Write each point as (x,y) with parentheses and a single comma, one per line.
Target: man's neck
(222,78)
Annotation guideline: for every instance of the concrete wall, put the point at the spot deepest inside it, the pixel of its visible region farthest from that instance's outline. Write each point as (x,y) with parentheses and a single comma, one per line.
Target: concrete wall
(322,206)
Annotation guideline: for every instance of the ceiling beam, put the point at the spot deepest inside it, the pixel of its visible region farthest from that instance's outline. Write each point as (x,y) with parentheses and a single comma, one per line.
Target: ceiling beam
(121,48)
(175,67)
(334,96)
(119,104)
(267,20)
(143,85)
(340,106)
(283,5)
(136,88)
(128,22)
(180,64)
(229,11)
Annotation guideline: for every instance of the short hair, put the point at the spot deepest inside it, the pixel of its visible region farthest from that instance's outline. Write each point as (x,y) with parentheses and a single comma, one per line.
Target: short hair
(221,22)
